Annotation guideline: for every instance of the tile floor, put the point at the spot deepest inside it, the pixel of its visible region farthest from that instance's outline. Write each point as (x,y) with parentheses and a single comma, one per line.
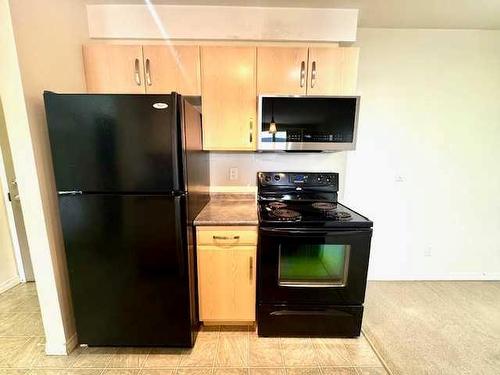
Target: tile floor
(218,350)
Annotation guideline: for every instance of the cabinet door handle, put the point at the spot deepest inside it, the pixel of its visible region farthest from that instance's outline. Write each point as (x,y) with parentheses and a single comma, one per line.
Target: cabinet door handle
(251,130)
(148,72)
(251,268)
(302,73)
(313,74)
(226,237)
(137,73)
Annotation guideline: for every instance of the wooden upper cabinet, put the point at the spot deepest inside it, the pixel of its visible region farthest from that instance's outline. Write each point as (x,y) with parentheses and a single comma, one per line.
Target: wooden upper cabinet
(229,99)
(111,68)
(281,70)
(172,68)
(332,70)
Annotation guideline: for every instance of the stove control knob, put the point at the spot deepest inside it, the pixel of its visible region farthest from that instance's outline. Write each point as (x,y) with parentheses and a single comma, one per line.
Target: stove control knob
(277,177)
(320,179)
(267,178)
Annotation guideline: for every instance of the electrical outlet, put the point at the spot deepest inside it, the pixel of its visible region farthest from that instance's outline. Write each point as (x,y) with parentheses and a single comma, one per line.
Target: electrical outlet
(233,173)
(428,251)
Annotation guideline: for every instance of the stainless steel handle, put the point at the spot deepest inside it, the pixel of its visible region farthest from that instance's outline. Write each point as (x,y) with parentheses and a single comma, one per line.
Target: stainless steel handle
(137,74)
(302,73)
(251,130)
(226,237)
(148,72)
(251,268)
(313,74)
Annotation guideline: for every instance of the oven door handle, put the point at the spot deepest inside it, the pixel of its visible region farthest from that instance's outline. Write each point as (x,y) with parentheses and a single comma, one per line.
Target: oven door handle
(313,232)
(300,312)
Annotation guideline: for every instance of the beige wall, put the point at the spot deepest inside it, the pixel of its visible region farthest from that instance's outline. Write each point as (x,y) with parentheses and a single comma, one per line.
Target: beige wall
(426,165)
(48,37)
(249,164)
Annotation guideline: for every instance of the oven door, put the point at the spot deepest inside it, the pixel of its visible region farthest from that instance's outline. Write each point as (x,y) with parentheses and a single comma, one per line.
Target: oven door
(307,266)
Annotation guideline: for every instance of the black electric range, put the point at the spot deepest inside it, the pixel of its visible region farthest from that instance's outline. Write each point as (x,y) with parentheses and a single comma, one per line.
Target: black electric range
(313,257)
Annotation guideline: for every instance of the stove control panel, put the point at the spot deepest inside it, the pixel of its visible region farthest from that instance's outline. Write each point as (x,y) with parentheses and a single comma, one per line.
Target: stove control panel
(298,179)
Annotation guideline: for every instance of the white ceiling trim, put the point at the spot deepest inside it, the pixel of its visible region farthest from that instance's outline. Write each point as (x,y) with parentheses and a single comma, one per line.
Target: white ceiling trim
(221,23)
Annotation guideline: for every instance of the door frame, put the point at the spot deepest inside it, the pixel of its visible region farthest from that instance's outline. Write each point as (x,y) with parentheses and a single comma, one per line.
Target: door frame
(10,217)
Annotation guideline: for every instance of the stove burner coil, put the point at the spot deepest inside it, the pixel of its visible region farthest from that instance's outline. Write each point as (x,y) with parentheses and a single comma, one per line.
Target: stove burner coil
(285,214)
(339,215)
(275,205)
(324,206)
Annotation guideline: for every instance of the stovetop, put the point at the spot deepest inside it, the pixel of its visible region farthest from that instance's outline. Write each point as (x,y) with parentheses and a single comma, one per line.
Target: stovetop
(308,213)
(304,200)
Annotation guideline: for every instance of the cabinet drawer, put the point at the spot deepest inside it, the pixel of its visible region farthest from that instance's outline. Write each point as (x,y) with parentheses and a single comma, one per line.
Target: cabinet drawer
(226,236)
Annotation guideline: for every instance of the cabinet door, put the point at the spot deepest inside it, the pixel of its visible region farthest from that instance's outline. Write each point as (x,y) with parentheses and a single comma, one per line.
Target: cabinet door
(226,283)
(111,68)
(281,70)
(229,102)
(332,70)
(172,68)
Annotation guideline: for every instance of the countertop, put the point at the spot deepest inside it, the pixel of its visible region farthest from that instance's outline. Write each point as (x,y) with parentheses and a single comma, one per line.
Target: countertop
(229,209)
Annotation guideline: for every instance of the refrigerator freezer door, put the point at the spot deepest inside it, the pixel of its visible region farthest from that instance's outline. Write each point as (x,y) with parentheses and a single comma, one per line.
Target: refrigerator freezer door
(129,265)
(114,143)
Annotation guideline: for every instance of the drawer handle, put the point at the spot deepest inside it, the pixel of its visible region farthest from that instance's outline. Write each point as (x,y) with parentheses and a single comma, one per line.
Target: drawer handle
(251,268)
(226,237)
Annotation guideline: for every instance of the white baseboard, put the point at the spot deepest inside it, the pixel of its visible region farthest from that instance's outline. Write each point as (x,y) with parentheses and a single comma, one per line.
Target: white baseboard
(10,283)
(451,276)
(58,348)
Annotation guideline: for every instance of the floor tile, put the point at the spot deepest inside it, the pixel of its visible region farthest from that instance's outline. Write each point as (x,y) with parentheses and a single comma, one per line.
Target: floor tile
(194,371)
(265,353)
(338,371)
(20,352)
(94,357)
(362,355)
(9,348)
(13,371)
(128,358)
(230,371)
(303,371)
(121,371)
(55,361)
(202,355)
(298,352)
(267,371)
(373,371)
(232,350)
(162,371)
(21,324)
(65,372)
(163,357)
(332,354)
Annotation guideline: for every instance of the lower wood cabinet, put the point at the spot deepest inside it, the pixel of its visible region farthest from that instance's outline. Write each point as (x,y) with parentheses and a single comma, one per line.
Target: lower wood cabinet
(226,274)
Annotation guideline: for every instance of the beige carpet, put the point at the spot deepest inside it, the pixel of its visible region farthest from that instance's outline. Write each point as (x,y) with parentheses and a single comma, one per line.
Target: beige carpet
(435,327)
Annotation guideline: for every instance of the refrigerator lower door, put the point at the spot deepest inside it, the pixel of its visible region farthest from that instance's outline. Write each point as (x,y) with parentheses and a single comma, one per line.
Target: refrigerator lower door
(129,269)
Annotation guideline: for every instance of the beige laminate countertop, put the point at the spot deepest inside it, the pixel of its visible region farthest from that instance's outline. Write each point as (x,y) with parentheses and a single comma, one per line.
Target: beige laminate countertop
(230,210)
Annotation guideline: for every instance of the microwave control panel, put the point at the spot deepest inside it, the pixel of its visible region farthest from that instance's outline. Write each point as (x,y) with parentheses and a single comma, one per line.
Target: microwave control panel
(303,136)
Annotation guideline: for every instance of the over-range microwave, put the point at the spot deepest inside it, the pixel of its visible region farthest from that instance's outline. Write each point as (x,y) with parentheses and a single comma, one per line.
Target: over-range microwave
(307,123)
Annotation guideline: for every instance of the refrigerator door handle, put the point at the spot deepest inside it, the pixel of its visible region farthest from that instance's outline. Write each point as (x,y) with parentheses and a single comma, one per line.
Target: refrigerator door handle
(178,235)
(73,192)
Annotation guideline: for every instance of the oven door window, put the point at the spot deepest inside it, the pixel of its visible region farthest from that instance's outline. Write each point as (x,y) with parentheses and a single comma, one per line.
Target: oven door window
(313,265)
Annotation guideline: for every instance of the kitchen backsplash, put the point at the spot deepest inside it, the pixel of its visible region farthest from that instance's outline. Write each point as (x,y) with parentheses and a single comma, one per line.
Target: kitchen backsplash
(248,164)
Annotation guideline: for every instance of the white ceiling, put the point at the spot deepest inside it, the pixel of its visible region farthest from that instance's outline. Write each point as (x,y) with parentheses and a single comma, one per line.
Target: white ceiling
(435,14)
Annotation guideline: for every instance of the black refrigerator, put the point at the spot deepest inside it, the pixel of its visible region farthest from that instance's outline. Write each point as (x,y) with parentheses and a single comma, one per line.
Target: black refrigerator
(131,177)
